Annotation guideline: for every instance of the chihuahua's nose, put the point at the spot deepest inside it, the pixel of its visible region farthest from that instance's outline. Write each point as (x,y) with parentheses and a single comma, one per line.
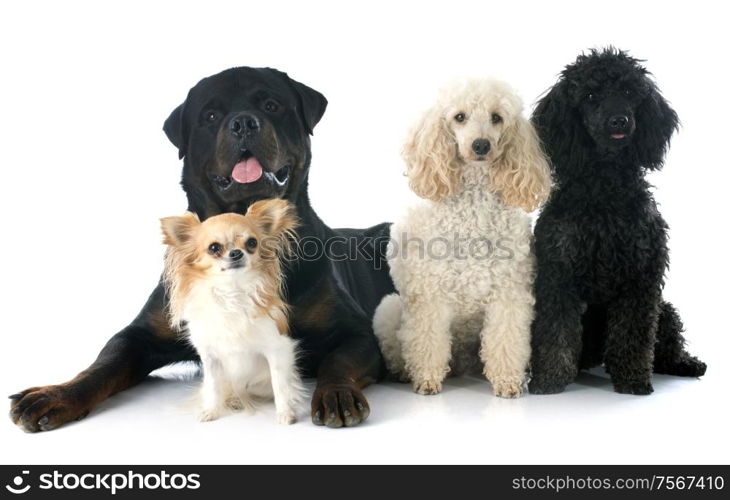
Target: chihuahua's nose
(481,146)
(235,255)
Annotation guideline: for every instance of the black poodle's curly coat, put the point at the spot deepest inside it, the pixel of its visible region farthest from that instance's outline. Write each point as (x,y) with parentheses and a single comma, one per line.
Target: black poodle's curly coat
(600,242)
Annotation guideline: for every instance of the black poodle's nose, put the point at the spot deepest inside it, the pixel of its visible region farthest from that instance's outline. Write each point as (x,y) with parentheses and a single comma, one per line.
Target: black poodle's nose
(481,146)
(244,124)
(235,255)
(618,122)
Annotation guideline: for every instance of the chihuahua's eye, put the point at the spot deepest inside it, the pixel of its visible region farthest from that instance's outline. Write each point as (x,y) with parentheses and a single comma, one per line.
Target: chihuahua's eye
(460,117)
(215,248)
(271,106)
(211,116)
(496,118)
(251,244)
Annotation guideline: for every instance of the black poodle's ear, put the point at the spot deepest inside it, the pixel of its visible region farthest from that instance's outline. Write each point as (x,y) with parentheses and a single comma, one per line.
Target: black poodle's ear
(559,126)
(656,122)
(174,128)
(311,104)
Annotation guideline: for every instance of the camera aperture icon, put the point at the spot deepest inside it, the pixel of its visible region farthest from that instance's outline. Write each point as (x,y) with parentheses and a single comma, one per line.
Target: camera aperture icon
(17,485)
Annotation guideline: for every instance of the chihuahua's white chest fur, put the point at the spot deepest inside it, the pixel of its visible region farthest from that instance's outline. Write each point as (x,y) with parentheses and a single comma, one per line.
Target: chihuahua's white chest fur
(245,357)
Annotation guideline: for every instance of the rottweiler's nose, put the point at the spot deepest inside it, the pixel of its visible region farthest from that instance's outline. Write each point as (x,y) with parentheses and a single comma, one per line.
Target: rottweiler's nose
(244,124)
(235,255)
(481,146)
(618,122)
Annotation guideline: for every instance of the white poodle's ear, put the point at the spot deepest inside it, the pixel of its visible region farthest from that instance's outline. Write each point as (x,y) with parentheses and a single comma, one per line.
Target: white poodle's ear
(431,157)
(521,173)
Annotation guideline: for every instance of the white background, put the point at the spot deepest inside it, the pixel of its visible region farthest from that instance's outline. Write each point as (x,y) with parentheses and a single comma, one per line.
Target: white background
(87,172)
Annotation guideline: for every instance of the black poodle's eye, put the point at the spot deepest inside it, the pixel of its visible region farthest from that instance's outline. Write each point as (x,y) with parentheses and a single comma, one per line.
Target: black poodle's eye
(460,117)
(627,92)
(211,116)
(271,106)
(215,248)
(591,97)
(251,244)
(496,118)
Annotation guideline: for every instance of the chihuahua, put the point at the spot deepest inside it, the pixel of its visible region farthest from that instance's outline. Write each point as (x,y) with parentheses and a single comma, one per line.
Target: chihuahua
(224,282)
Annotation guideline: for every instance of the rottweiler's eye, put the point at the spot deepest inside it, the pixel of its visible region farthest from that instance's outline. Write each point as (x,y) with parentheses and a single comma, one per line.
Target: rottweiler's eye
(211,116)
(591,97)
(496,118)
(251,243)
(215,248)
(460,117)
(627,92)
(271,106)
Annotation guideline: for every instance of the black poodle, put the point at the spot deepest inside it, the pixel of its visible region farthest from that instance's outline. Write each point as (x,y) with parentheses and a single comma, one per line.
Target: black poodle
(601,243)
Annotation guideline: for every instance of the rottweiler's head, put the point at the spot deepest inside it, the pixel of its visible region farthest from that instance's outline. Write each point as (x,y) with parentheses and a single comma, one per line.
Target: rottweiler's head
(244,134)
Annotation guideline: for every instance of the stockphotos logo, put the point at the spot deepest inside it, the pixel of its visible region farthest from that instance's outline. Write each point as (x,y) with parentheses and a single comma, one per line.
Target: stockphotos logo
(18,486)
(111,482)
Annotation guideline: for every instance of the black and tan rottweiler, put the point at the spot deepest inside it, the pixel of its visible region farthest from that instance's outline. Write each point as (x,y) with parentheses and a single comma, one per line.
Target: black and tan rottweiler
(227,120)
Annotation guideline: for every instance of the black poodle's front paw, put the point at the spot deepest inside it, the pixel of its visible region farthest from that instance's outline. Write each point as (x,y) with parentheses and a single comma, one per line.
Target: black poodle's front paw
(339,406)
(636,387)
(544,386)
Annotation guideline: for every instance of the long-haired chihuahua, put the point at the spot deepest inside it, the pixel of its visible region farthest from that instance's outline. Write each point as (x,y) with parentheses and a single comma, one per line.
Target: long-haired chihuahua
(224,281)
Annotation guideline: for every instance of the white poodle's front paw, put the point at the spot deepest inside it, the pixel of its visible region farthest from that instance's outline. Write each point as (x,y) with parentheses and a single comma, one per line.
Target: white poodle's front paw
(208,414)
(286,417)
(508,388)
(427,387)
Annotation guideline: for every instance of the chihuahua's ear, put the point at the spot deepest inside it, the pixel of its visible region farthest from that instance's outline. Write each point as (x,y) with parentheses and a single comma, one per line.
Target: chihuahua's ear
(275,216)
(178,230)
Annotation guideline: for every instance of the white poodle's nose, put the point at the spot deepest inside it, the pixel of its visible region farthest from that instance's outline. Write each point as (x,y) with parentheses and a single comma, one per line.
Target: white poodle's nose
(481,146)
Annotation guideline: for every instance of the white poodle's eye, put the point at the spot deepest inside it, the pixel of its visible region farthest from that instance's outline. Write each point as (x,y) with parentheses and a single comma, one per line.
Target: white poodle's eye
(496,118)
(460,117)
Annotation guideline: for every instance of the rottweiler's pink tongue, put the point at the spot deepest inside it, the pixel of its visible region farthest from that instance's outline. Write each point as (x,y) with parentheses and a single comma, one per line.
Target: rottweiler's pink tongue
(248,170)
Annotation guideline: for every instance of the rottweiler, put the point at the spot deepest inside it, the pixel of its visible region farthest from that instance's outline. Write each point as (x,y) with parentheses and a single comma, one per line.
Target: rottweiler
(244,135)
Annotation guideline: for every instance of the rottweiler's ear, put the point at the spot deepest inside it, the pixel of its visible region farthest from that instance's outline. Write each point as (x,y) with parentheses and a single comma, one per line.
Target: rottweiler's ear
(175,130)
(312,104)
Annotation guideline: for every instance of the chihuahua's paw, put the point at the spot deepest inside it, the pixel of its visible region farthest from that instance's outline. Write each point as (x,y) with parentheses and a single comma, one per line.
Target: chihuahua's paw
(208,415)
(286,417)
(235,404)
(508,388)
(427,387)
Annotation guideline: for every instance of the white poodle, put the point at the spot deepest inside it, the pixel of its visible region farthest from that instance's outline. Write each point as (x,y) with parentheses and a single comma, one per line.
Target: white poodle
(462,260)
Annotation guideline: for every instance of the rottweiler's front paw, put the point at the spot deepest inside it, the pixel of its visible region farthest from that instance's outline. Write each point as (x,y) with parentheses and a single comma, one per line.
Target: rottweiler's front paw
(339,405)
(46,408)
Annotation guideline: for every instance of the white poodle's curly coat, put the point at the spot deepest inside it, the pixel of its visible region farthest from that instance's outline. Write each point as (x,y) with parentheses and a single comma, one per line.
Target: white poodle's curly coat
(461,260)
